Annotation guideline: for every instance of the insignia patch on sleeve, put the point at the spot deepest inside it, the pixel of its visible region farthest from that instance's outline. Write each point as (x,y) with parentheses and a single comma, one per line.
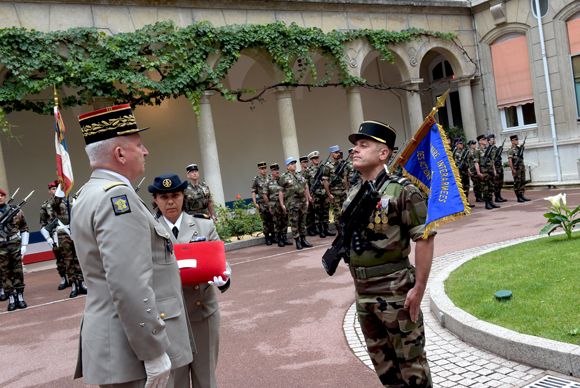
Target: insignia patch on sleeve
(120,205)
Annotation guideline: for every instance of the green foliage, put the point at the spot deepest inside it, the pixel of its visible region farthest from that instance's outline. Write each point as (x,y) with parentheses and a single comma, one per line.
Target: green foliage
(456,132)
(560,216)
(165,61)
(237,222)
(542,274)
(6,127)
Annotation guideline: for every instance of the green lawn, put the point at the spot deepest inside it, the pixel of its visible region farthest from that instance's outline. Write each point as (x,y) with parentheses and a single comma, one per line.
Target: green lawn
(544,276)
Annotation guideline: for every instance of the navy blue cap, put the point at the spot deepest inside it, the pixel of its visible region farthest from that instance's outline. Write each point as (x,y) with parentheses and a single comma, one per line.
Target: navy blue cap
(168,183)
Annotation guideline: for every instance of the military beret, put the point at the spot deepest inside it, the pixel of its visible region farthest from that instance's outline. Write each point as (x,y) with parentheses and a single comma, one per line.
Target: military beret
(492,136)
(168,183)
(290,160)
(192,167)
(480,137)
(303,159)
(334,148)
(2,192)
(274,166)
(53,184)
(458,140)
(262,164)
(514,137)
(381,132)
(108,122)
(313,154)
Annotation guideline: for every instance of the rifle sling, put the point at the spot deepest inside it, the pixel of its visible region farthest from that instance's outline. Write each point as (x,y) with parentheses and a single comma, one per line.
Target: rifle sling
(363,273)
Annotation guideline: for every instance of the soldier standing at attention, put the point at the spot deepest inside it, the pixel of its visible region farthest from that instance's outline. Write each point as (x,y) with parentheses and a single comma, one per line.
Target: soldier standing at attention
(303,165)
(12,248)
(294,201)
(272,199)
(464,170)
(258,189)
(352,176)
(197,195)
(337,191)
(60,265)
(63,247)
(519,172)
(320,203)
(485,171)
(472,174)
(498,179)
(388,288)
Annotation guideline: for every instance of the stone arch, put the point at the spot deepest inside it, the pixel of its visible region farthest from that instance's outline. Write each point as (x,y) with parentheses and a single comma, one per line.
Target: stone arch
(568,11)
(502,30)
(400,58)
(456,57)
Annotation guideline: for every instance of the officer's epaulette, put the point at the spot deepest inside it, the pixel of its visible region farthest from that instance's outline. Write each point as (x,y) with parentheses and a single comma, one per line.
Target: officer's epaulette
(201,215)
(403,181)
(114,184)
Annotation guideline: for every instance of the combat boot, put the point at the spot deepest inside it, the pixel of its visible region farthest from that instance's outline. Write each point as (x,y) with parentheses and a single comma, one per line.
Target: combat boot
(298,244)
(520,199)
(63,283)
(315,229)
(328,232)
(488,205)
(470,204)
(498,198)
(310,231)
(274,238)
(322,234)
(477,199)
(286,241)
(20,303)
(493,204)
(75,291)
(524,198)
(268,241)
(304,242)
(281,242)
(83,288)
(11,303)
(3,296)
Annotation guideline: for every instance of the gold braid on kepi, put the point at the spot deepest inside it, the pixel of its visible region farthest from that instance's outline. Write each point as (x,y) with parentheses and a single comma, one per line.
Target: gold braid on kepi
(108,122)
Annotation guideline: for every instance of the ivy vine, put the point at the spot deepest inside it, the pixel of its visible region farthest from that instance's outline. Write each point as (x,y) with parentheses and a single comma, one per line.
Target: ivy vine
(165,61)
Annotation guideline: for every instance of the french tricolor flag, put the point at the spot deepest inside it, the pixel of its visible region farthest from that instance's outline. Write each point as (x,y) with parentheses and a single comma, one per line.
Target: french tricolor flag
(63,164)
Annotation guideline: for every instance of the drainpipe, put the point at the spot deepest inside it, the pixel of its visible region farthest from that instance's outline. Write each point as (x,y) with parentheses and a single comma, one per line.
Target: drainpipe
(548,89)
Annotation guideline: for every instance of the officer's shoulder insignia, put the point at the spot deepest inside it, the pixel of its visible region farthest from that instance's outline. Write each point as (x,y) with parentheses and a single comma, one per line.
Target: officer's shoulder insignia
(121,205)
(114,184)
(200,215)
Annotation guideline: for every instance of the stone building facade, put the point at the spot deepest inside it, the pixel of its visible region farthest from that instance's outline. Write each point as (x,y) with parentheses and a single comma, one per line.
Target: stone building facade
(228,138)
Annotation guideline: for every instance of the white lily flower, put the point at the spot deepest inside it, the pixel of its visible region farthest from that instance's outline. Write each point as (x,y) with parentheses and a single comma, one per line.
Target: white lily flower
(564,200)
(555,200)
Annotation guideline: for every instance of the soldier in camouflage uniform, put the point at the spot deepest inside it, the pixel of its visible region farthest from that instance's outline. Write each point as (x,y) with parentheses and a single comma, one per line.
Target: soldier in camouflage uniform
(498,179)
(388,288)
(303,166)
(459,154)
(12,248)
(320,204)
(272,199)
(197,195)
(60,265)
(311,228)
(258,189)
(485,171)
(472,173)
(518,173)
(333,184)
(294,201)
(63,247)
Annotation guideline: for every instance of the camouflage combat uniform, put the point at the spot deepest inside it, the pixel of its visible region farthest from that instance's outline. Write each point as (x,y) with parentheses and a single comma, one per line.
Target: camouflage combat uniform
(293,187)
(197,198)
(321,203)
(464,171)
(498,181)
(486,183)
(66,249)
(279,218)
(520,177)
(474,178)
(338,190)
(259,187)
(10,257)
(395,344)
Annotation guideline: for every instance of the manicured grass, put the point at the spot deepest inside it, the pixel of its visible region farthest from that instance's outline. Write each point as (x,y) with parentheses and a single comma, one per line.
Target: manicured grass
(544,276)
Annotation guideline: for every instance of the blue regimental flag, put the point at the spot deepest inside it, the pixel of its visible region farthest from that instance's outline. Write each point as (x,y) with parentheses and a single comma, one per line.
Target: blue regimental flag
(431,168)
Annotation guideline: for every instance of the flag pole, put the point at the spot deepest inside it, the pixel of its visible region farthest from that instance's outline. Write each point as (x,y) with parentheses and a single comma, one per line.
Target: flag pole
(61,183)
(420,134)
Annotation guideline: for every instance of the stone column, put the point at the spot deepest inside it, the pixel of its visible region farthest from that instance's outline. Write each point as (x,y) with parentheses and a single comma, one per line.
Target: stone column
(3,175)
(355,110)
(287,123)
(209,153)
(416,117)
(467,111)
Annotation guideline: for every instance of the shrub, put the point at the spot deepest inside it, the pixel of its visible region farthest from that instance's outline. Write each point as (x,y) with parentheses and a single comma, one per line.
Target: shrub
(238,221)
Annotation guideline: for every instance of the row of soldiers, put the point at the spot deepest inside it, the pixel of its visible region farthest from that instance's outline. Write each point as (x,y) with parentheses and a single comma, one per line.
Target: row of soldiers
(482,163)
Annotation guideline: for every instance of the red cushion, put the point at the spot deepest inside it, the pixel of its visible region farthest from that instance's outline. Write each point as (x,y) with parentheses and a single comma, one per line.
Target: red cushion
(199,262)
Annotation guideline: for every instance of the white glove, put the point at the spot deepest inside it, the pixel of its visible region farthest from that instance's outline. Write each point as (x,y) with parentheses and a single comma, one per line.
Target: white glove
(50,242)
(24,242)
(23,250)
(157,370)
(218,281)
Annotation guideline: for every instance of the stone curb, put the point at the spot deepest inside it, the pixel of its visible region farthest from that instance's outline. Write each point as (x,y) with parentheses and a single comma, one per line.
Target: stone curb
(535,351)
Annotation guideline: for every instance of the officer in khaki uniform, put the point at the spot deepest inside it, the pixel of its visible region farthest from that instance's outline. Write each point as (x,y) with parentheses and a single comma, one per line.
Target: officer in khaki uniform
(134,328)
(388,288)
(200,299)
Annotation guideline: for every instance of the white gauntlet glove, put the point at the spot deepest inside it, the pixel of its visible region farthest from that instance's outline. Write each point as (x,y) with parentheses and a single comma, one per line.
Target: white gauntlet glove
(157,370)
(218,281)
(47,237)
(24,241)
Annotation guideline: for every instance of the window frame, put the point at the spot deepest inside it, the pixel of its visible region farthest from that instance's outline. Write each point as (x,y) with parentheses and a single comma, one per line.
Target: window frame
(576,100)
(520,117)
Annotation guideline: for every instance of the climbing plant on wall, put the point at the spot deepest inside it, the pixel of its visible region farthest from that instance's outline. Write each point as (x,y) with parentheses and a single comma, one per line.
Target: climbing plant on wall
(165,61)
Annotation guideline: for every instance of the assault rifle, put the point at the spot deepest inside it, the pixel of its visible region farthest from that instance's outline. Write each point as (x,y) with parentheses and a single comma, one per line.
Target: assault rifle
(12,198)
(6,218)
(454,150)
(318,176)
(354,178)
(339,173)
(463,159)
(486,156)
(51,229)
(497,160)
(520,154)
(353,221)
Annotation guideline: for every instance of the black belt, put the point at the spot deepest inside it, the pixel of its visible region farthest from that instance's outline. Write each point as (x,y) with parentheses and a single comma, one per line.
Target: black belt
(362,273)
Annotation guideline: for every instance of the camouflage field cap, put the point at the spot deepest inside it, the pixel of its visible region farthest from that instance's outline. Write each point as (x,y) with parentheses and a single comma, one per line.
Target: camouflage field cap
(381,132)
(108,122)
(274,166)
(262,164)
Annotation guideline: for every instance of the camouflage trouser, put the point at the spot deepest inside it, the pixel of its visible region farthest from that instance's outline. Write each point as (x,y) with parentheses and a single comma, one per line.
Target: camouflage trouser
(498,181)
(395,344)
(11,267)
(520,181)
(339,198)
(486,184)
(476,184)
(320,208)
(266,216)
(69,255)
(279,219)
(60,265)
(297,215)
(464,176)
